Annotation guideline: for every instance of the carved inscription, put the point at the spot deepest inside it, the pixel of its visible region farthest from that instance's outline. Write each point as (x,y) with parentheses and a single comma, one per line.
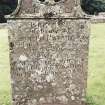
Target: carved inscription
(49,61)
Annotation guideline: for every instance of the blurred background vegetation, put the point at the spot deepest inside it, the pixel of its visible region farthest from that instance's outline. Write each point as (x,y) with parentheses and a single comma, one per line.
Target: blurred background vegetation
(7,6)
(93,7)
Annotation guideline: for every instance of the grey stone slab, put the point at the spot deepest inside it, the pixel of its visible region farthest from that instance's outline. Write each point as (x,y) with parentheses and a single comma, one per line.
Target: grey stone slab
(49,61)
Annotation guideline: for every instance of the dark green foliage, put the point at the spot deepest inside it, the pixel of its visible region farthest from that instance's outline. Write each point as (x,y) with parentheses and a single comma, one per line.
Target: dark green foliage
(7,6)
(93,6)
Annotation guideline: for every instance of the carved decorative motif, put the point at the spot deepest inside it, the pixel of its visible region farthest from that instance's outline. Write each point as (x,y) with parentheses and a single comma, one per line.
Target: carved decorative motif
(37,8)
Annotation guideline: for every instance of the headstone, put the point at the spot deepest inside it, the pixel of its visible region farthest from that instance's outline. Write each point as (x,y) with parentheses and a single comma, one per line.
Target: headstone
(49,42)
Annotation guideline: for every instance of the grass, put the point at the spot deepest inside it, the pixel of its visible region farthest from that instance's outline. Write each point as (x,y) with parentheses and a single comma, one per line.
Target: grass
(4,69)
(96,75)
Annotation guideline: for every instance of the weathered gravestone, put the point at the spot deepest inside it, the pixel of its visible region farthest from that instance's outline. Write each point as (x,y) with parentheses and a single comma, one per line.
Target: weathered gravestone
(49,52)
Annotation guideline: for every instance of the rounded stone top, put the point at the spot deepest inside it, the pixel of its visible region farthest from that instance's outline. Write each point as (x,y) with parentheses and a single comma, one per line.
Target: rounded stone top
(49,9)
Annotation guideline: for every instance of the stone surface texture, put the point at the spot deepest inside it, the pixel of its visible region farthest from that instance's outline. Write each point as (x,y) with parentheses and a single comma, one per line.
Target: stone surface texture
(49,55)
(60,9)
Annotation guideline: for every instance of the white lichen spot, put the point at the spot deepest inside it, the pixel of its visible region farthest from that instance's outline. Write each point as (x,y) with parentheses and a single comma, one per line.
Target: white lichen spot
(33,102)
(66,64)
(53,84)
(63,99)
(16,88)
(32,75)
(40,35)
(49,77)
(12,81)
(39,72)
(83,93)
(23,58)
(58,60)
(40,87)
(42,100)
(72,98)
(72,86)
